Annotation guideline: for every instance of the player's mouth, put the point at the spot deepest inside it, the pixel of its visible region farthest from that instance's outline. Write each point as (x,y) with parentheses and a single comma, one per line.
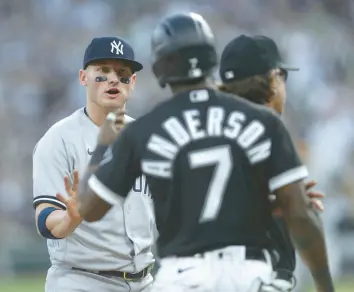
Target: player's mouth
(113,92)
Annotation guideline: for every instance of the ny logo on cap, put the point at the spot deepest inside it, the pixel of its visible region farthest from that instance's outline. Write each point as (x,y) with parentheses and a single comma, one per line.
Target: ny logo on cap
(118,47)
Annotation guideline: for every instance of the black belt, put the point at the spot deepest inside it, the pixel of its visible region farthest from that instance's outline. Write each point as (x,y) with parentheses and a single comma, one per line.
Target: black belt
(124,275)
(252,253)
(256,254)
(286,275)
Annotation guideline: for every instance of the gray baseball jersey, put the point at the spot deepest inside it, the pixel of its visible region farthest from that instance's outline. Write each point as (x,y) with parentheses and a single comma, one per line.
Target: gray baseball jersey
(122,240)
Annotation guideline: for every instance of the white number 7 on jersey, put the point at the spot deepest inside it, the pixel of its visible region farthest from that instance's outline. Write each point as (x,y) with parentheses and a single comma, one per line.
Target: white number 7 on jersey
(221,158)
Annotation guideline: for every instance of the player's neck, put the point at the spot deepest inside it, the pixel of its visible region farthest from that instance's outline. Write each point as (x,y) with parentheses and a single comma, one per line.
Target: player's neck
(96,114)
(207,83)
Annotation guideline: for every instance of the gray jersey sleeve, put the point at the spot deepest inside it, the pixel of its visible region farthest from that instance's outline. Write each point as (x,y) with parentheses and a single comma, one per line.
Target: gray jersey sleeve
(50,165)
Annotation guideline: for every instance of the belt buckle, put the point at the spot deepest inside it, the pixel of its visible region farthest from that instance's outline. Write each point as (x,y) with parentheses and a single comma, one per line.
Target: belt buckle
(134,279)
(127,278)
(145,272)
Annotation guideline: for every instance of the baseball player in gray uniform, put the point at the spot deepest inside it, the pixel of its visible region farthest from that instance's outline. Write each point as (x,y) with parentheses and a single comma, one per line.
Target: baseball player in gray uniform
(113,254)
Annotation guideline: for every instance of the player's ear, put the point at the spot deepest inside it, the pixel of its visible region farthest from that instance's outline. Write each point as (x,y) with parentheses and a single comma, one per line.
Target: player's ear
(83,77)
(133,80)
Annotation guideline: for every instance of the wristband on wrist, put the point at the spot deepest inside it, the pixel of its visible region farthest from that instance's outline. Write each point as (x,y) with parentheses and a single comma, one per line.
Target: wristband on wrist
(41,223)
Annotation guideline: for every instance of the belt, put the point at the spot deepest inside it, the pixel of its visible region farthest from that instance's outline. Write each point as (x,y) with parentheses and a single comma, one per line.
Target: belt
(252,253)
(286,275)
(124,275)
(255,254)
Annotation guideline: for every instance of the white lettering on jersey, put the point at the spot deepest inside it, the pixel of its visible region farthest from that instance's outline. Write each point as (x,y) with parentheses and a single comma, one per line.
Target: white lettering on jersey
(251,134)
(177,131)
(259,152)
(215,119)
(234,124)
(157,168)
(162,147)
(217,124)
(193,124)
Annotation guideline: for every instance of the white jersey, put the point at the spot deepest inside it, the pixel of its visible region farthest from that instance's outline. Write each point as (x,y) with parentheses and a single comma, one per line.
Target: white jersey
(122,240)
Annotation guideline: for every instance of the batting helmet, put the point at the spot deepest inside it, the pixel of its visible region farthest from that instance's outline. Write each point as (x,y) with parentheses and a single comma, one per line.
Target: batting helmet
(183,49)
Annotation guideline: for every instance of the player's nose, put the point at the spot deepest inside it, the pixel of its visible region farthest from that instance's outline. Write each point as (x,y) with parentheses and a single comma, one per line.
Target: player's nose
(113,78)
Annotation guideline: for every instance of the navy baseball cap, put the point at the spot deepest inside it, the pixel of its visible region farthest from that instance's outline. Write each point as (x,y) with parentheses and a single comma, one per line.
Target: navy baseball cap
(247,56)
(111,48)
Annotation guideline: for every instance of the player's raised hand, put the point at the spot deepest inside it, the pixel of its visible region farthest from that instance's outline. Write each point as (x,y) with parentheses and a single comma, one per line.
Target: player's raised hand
(112,126)
(315,196)
(71,201)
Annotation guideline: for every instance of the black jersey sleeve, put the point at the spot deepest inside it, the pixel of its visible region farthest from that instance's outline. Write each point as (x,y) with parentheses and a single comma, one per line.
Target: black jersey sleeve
(285,166)
(118,170)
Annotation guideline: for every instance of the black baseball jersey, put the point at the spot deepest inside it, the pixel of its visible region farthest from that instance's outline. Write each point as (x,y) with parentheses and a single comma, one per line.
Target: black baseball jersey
(209,159)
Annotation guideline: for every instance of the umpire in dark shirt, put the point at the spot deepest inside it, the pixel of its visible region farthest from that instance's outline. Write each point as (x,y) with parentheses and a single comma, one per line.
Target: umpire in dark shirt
(252,67)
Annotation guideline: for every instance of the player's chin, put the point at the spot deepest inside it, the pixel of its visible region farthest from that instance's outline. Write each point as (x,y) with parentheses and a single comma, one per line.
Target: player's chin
(113,102)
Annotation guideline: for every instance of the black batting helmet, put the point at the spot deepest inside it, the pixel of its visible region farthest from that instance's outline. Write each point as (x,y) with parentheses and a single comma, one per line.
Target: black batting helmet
(183,49)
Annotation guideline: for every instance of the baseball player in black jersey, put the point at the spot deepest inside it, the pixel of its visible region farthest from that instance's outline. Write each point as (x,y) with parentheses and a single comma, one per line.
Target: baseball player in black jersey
(209,159)
(252,67)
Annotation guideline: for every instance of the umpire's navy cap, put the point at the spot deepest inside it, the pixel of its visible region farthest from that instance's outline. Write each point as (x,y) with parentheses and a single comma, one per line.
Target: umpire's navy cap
(247,56)
(111,48)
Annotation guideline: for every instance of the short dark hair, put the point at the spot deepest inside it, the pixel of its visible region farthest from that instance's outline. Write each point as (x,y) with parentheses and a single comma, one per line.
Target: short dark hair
(258,88)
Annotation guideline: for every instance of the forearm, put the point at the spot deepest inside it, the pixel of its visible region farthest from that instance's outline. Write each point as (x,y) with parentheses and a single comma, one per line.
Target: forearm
(85,197)
(308,237)
(60,225)
(93,165)
(83,189)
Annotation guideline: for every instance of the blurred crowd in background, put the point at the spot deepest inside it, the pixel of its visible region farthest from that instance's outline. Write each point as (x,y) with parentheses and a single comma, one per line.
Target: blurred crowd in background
(42,47)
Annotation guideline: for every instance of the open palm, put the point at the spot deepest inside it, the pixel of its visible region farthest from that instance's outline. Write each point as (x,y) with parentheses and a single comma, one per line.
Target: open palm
(314,196)
(71,201)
